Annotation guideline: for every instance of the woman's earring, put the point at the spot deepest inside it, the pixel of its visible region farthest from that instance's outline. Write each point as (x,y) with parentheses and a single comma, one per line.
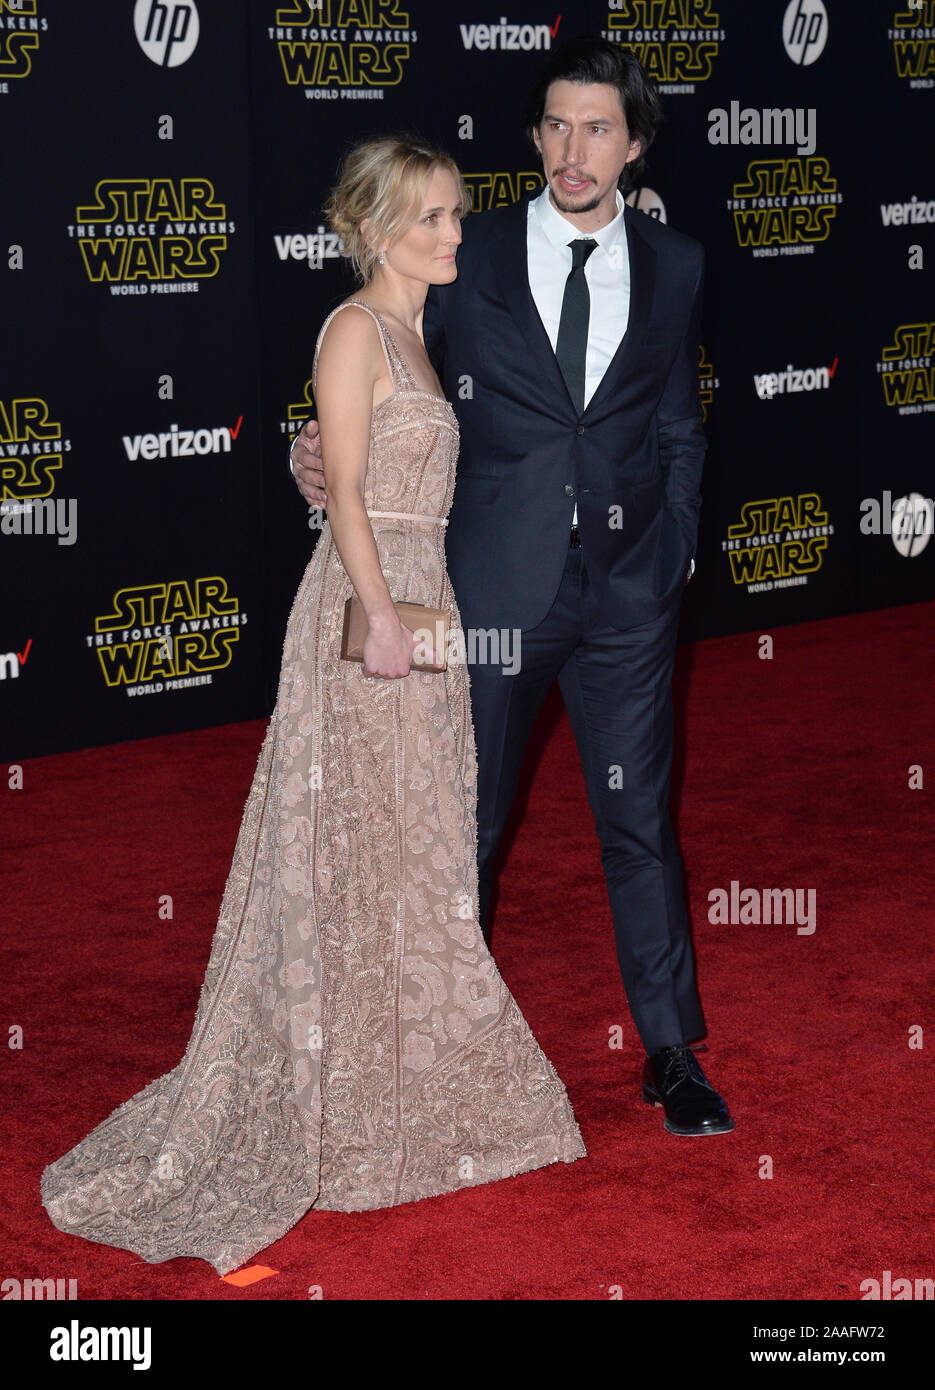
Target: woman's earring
(381,257)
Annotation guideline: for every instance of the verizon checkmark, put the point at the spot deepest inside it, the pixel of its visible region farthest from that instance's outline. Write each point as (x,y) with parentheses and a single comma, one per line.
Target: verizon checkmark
(833,368)
(23,655)
(235,430)
(554,29)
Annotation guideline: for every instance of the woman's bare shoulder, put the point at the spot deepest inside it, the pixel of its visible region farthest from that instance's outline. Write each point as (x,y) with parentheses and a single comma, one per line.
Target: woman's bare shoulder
(351,328)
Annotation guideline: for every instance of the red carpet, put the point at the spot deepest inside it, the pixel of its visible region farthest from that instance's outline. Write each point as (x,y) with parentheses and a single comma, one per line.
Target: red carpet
(795,774)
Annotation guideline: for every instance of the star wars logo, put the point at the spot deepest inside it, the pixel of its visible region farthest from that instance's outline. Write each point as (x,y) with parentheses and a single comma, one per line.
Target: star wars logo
(167,636)
(778,542)
(912,35)
(298,412)
(708,383)
(677,41)
(907,371)
(500,189)
(31,449)
(349,49)
(784,206)
(149,236)
(20,27)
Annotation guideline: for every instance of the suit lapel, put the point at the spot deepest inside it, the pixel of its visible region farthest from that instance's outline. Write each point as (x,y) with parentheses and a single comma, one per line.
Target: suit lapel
(513,276)
(642,260)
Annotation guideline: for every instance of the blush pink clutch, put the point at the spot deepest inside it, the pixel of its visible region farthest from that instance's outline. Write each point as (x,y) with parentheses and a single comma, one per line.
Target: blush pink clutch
(433,623)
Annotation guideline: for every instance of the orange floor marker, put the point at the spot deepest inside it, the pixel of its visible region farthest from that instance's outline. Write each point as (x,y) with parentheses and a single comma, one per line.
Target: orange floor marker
(250,1275)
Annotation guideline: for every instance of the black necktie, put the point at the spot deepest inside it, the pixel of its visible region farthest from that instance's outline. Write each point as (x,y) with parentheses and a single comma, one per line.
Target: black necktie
(571,349)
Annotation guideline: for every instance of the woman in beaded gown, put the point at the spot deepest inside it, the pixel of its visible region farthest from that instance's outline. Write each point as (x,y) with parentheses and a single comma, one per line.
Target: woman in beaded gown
(354,1046)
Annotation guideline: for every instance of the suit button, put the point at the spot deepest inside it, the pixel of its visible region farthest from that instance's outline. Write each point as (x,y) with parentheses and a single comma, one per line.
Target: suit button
(569,490)
(579,429)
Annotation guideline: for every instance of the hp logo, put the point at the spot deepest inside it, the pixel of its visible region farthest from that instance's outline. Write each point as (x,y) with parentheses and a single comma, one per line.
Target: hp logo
(167,30)
(805,30)
(647,200)
(913,524)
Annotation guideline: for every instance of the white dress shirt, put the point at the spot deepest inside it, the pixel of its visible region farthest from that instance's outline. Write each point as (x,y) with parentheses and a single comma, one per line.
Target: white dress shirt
(607,272)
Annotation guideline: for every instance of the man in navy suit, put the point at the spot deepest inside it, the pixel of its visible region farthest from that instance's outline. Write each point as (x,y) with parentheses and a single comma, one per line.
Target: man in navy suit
(568,346)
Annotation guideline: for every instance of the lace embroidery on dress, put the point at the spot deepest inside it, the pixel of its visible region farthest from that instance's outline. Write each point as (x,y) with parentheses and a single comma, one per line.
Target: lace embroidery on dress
(354,1045)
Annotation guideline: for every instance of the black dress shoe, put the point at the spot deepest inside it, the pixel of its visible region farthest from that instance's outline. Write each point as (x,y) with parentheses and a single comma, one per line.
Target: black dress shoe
(672,1078)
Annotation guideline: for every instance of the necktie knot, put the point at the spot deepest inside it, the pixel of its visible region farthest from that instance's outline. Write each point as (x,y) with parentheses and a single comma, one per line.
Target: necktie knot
(581,249)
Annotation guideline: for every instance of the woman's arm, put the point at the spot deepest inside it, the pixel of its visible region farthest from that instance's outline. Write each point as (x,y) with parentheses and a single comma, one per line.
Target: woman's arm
(350,363)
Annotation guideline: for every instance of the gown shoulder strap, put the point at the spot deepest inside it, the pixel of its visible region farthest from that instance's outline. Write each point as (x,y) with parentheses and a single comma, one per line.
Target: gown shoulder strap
(399,372)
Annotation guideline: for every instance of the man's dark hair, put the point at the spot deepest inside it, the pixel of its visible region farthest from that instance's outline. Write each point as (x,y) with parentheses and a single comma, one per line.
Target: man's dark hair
(589,59)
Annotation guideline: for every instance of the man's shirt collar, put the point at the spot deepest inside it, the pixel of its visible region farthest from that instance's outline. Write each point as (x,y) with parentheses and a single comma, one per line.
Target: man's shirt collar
(560,231)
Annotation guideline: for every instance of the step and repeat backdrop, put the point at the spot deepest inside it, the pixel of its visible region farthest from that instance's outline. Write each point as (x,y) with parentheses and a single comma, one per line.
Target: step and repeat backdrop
(166,269)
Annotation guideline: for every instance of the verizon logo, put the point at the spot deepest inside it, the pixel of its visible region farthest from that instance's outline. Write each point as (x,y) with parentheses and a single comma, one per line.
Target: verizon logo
(313,247)
(912,213)
(793,379)
(10,664)
(508,38)
(175,443)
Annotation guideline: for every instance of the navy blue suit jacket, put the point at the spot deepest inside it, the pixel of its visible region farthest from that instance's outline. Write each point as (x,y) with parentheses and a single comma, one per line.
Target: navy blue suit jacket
(631,461)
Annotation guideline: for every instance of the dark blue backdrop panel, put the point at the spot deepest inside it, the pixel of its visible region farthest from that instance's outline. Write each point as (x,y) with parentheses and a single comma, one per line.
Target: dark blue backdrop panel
(167,270)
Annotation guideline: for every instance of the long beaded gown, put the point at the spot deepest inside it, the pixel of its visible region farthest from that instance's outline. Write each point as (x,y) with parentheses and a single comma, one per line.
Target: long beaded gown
(354,1046)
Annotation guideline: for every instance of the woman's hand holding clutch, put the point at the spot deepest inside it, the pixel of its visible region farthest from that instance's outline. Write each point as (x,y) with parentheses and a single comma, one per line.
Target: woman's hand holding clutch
(388,648)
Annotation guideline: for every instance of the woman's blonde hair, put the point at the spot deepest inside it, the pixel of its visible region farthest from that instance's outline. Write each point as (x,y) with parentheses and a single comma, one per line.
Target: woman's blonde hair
(383,180)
